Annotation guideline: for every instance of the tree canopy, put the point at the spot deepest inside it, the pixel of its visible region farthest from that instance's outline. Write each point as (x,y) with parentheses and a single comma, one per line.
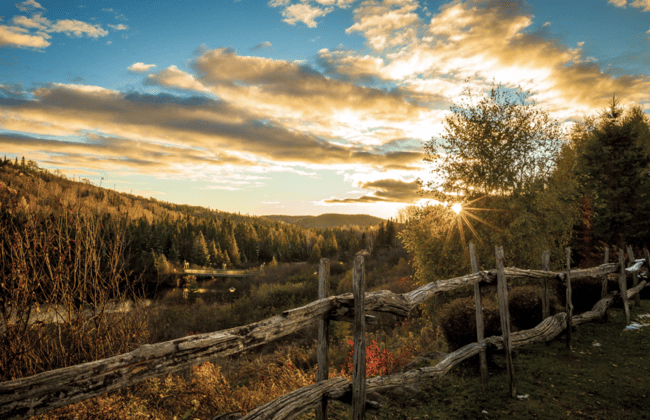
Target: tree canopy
(612,155)
(501,143)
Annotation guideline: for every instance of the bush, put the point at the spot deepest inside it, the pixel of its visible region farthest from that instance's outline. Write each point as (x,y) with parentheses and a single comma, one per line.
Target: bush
(586,292)
(457,320)
(525,305)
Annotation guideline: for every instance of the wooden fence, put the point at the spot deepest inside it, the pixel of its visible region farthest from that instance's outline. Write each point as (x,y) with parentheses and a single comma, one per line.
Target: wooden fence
(46,391)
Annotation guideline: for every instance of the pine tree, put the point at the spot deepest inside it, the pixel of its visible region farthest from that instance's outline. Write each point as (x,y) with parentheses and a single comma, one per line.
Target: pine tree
(315,256)
(615,162)
(216,258)
(201,254)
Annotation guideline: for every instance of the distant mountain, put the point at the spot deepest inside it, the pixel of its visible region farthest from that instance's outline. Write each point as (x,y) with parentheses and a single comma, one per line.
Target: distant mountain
(328,220)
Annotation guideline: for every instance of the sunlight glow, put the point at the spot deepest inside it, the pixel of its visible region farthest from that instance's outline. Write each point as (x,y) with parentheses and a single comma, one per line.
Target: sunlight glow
(457,208)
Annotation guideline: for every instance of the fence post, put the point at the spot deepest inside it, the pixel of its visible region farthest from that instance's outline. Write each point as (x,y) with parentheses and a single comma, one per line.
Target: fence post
(359,360)
(480,326)
(546,304)
(635,277)
(622,284)
(504,315)
(569,300)
(323,335)
(605,283)
(603,288)
(546,301)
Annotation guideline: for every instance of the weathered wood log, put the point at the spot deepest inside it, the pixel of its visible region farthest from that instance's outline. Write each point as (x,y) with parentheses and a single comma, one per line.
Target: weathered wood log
(57,388)
(480,327)
(603,287)
(635,276)
(290,405)
(322,355)
(546,301)
(504,315)
(622,284)
(546,266)
(569,298)
(359,357)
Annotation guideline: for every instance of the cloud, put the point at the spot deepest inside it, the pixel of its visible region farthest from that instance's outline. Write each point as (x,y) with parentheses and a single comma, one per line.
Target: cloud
(385,191)
(14,36)
(170,134)
(20,36)
(77,28)
(352,67)
(303,12)
(140,67)
(386,23)
(119,27)
(641,4)
(300,96)
(28,5)
(481,40)
(265,44)
(175,78)
(307,11)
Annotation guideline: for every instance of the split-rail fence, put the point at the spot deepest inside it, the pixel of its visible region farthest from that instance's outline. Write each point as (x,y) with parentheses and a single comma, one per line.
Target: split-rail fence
(25,397)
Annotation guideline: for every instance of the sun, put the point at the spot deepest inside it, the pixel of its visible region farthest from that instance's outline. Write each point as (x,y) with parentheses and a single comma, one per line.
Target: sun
(463,212)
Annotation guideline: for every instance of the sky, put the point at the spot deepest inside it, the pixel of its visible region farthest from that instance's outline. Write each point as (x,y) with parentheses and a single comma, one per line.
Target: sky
(297,107)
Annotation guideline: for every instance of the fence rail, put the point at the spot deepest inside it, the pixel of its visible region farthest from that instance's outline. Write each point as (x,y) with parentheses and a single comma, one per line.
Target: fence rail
(43,392)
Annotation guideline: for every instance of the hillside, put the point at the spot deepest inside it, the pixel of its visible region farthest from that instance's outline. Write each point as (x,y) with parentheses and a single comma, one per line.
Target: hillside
(329,220)
(161,235)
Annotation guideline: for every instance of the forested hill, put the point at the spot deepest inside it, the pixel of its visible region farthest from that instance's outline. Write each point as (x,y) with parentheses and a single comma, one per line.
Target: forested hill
(159,235)
(329,220)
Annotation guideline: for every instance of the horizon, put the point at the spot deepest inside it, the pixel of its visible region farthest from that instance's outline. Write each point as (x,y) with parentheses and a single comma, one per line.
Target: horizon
(292,107)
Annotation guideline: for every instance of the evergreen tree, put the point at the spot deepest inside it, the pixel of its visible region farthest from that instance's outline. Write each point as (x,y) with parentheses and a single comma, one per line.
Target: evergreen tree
(614,164)
(174,253)
(201,254)
(315,256)
(216,258)
(229,244)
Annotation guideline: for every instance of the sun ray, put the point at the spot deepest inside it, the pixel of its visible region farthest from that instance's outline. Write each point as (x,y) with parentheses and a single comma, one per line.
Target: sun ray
(471,228)
(473,216)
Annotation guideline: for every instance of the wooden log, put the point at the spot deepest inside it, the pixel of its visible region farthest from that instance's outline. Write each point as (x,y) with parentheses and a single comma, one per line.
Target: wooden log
(480,326)
(322,355)
(603,288)
(546,304)
(546,300)
(622,284)
(504,315)
(635,277)
(605,283)
(569,299)
(294,403)
(359,357)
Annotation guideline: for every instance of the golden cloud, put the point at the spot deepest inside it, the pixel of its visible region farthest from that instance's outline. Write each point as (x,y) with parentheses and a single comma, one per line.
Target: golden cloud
(167,130)
(140,67)
(482,40)
(385,191)
(386,23)
(14,36)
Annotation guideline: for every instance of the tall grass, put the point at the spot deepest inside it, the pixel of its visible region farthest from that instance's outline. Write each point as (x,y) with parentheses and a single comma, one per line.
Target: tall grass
(61,276)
